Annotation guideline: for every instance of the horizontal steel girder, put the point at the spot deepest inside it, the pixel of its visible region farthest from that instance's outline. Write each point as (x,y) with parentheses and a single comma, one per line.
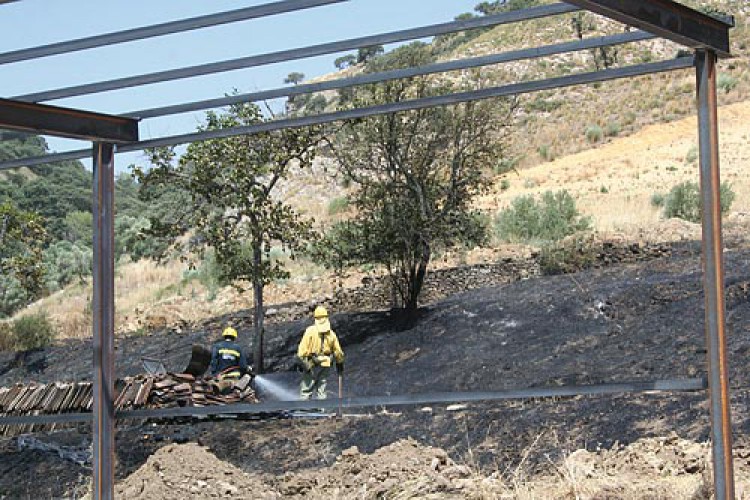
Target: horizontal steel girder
(66,122)
(649,386)
(168,28)
(300,53)
(668,19)
(427,102)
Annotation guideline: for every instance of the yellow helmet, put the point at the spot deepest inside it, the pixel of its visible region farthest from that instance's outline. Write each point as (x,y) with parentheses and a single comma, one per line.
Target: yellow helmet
(229,332)
(320,312)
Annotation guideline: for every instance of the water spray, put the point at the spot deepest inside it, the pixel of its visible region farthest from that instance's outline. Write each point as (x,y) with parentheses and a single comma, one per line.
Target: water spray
(275,389)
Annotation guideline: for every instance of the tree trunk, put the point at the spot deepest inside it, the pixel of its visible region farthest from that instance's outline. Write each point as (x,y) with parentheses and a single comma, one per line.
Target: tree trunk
(417,280)
(258,313)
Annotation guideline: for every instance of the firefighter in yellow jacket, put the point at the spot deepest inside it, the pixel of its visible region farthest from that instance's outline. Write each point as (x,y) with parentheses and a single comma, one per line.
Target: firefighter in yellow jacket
(317,351)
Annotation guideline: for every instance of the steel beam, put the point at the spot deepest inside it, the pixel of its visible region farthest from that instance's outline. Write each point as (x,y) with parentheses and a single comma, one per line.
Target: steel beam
(713,275)
(668,19)
(103,311)
(182,25)
(301,53)
(66,122)
(304,121)
(648,386)
(369,78)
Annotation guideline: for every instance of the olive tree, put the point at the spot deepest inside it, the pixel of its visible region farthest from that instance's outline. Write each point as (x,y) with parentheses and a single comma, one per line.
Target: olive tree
(232,208)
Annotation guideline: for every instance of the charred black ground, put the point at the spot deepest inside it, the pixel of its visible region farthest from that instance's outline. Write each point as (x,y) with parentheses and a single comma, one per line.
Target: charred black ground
(621,323)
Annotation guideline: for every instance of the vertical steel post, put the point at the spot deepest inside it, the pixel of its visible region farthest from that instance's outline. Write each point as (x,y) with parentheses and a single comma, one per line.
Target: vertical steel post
(103,310)
(713,275)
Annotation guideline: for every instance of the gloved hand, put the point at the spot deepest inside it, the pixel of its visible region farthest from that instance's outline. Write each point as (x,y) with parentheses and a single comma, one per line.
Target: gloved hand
(307,363)
(323,360)
(340,368)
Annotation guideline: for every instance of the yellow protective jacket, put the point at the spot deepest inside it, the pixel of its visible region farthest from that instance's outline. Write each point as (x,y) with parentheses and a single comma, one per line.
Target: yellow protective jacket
(315,343)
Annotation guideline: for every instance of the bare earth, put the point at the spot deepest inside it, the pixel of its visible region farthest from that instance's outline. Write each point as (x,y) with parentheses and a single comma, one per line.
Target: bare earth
(639,321)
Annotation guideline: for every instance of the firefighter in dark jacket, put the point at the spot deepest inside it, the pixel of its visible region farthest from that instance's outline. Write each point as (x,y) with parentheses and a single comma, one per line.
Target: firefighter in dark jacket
(228,361)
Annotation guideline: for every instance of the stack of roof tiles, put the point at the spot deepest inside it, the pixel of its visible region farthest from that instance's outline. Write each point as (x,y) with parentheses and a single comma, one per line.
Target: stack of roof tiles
(143,391)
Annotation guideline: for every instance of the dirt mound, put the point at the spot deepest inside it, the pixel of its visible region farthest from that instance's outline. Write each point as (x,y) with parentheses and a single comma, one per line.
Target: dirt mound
(404,466)
(663,467)
(187,471)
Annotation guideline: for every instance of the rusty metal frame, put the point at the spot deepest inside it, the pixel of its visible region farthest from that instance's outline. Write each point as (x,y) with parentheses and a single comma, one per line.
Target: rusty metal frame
(66,122)
(708,36)
(667,19)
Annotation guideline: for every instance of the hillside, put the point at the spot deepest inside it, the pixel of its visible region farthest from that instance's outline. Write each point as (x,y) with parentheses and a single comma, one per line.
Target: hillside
(555,123)
(611,179)
(490,321)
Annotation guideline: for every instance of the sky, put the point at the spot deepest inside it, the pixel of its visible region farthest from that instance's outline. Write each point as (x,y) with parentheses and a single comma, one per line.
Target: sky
(29,23)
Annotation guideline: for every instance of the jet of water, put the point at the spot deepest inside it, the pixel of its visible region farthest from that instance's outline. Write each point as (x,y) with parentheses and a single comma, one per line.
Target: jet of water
(275,389)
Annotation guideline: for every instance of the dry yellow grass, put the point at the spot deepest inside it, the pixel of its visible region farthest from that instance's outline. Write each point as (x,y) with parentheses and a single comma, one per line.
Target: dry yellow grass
(613,182)
(136,285)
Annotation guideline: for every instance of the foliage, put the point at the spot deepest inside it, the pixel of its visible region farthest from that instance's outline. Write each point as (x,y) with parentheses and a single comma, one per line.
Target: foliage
(22,238)
(612,129)
(66,262)
(551,219)
(231,208)
(684,201)
(594,133)
(726,82)
(33,331)
(13,296)
(316,104)
(488,8)
(7,339)
(209,274)
(657,200)
(546,152)
(345,61)
(132,239)
(365,54)
(415,175)
(338,205)
(568,255)
(79,228)
(295,77)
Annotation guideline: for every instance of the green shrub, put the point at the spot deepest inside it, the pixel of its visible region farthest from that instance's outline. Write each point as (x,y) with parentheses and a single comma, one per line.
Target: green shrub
(604,190)
(506,165)
(612,129)
(504,185)
(338,205)
(13,297)
(33,331)
(684,201)
(594,133)
(65,263)
(568,256)
(552,218)
(657,200)
(209,274)
(546,152)
(7,339)
(726,82)
(544,105)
